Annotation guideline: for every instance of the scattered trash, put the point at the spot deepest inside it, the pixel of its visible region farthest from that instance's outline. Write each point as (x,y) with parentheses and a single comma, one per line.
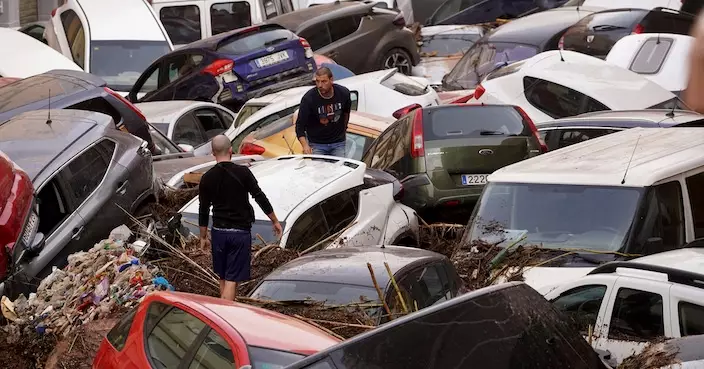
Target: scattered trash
(656,354)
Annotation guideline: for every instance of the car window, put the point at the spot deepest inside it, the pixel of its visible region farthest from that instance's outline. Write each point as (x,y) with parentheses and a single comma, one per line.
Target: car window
(53,206)
(227,16)
(468,121)
(179,66)
(34,89)
(227,118)
(691,319)
(425,286)
(664,217)
(171,338)
(567,137)
(696,199)
(341,209)
(85,172)
(444,45)
(162,144)
(318,36)
(270,9)
(404,84)
(211,122)
(214,352)
(121,62)
(250,41)
(73,29)
(483,58)
(182,23)
(260,124)
(581,305)
(309,229)
(651,55)
(117,336)
(151,83)
(558,101)
(99,105)
(246,112)
(266,358)
(637,316)
(343,27)
(357,145)
(189,131)
(392,149)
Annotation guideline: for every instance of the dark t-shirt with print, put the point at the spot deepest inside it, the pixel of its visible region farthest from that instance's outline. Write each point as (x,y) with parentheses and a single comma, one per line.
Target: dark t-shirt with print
(324,121)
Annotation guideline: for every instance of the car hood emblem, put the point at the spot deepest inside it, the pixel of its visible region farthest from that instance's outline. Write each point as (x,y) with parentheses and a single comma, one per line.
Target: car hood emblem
(486,152)
(590,38)
(271,48)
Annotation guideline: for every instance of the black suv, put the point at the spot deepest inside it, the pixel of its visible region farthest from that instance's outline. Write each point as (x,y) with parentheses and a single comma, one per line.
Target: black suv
(83,170)
(597,33)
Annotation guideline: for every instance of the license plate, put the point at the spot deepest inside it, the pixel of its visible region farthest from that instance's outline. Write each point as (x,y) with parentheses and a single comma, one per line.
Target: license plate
(272,59)
(229,77)
(29,228)
(474,179)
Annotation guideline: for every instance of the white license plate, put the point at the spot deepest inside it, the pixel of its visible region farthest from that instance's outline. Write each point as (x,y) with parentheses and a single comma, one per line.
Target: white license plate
(29,228)
(229,77)
(474,179)
(272,59)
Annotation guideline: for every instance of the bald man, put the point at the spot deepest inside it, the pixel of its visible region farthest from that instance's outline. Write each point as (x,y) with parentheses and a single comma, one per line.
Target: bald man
(226,187)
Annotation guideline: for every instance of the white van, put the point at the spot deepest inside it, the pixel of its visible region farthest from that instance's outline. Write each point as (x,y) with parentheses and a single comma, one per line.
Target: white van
(187,21)
(635,192)
(113,39)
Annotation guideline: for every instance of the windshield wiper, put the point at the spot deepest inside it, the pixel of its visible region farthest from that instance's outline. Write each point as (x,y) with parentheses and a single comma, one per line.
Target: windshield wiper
(491,133)
(275,41)
(607,27)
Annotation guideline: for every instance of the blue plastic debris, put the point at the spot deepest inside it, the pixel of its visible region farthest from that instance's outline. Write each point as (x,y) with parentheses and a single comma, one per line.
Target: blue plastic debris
(162,283)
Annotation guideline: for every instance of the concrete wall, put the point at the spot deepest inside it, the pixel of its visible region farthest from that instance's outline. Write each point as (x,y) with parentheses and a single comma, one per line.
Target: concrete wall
(10,11)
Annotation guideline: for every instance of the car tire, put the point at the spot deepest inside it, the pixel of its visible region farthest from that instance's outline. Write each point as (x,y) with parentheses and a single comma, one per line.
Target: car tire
(397,58)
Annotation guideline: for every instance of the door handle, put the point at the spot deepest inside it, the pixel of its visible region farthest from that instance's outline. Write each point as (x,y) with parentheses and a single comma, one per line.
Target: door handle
(77,232)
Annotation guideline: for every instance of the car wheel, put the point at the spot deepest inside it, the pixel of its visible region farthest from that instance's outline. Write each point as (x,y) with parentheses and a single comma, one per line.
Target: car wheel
(399,59)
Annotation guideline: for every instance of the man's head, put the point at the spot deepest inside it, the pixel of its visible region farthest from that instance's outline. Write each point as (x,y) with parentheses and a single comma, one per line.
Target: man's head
(323,80)
(222,147)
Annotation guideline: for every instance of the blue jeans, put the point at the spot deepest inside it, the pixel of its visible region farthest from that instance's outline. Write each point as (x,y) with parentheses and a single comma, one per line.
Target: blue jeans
(333,149)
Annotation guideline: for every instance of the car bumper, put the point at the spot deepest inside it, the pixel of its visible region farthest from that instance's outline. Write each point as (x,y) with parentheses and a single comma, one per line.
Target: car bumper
(421,194)
(238,92)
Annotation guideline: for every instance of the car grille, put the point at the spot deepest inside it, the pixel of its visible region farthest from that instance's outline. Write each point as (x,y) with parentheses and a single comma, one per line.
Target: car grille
(279,76)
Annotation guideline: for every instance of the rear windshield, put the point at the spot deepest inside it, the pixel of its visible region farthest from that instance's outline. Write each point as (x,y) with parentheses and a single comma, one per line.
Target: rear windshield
(264,358)
(34,89)
(668,22)
(482,59)
(473,121)
(121,63)
(612,20)
(330,293)
(447,44)
(651,55)
(240,45)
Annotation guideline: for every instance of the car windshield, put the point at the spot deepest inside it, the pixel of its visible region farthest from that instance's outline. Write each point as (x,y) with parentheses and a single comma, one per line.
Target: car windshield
(264,358)
(240,45)
(556,215)
(330,293)
(163,145)
(447,44)
(246,112)
(121,62)
(484,58)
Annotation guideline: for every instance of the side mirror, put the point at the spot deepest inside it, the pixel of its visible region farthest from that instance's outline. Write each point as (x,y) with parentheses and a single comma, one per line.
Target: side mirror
(186,147)
(37,243)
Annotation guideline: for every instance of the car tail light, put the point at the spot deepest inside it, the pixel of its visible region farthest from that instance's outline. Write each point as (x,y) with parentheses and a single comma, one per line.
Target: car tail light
(399,20)
(479,91)
(417,148)
(405,110)
(533,129)
(638,29)
(462,100)
(306,47)
(248,148)
(219,67)
(53,12)
(126,102)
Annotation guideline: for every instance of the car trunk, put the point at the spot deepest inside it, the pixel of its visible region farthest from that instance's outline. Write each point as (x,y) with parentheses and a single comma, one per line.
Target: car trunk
(463,145)
(596,34)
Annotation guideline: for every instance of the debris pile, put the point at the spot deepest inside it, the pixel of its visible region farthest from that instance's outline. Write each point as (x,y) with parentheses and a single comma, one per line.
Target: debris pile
(170,201)
(656,354)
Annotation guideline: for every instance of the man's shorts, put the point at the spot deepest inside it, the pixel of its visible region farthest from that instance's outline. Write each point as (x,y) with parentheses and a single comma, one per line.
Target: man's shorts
(232,254)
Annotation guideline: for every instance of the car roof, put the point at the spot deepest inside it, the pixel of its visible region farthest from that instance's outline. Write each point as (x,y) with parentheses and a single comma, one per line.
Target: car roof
(348,264)
(26,56)
(257,326)
(107,20)
(627,119)
(289,181)
(660,153)
(33,144)
(536,29)
(613,86)
(211,43)
(169,111)
(685,259)
(452,29)
(319,13)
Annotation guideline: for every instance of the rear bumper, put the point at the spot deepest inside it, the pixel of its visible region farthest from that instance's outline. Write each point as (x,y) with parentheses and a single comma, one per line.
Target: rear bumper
(420,194)
(241,93)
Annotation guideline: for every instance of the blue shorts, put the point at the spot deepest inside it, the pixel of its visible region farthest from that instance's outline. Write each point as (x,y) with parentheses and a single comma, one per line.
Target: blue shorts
(232,254)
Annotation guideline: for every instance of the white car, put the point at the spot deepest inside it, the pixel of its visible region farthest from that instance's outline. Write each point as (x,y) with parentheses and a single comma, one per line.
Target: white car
(661,58)
(189,124)
(629,303)
(559,84)
(113,39)
(327,200)
(24,56)
(441,47)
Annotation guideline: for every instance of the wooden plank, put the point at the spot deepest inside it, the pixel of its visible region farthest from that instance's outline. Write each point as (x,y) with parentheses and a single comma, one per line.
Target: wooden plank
(192,178)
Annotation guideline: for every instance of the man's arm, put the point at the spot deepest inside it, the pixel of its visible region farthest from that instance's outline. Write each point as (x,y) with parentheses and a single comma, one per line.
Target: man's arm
(693,95)
(301,124)
(263,202)
(347,108)
(205,201)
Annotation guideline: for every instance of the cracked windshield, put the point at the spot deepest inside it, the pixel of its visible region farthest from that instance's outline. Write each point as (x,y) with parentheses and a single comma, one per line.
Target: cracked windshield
(323,184)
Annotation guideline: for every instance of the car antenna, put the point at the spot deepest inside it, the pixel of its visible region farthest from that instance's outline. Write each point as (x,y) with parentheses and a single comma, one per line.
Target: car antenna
(48,119)
(560,51)
(629,161)
(658,41)
(671,113)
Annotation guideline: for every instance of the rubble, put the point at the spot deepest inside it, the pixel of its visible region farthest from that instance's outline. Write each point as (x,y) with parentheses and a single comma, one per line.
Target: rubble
(655,355)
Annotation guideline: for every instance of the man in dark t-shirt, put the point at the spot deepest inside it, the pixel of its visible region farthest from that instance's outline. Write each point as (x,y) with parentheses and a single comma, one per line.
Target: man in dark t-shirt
(323,116)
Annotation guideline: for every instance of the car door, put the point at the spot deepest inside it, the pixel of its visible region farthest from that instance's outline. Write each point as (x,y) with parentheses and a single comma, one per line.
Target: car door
(188,131)
(638,311)
(688,302)
(345,43)
(188,82)
(584,303)
(210,121)
(318,36)
(369,226)
(73,38)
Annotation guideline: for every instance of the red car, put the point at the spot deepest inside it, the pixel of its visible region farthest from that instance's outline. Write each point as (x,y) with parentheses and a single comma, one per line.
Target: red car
(18,220)
(178,330)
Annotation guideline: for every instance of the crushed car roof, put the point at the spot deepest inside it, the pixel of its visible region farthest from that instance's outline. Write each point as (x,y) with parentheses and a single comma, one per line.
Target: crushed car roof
(627,118)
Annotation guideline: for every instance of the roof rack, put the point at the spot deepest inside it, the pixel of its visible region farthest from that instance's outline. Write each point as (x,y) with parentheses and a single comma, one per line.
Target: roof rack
(673,275)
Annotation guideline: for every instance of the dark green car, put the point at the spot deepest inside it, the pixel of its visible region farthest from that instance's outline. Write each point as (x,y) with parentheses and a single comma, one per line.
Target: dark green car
(443,154)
